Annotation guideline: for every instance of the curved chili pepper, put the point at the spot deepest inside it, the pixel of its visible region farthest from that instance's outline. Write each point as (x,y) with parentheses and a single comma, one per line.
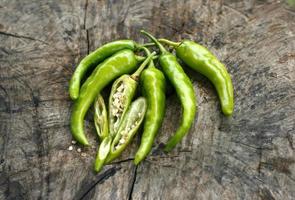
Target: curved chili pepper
(101,117)
(203,61)
(122,62)
(93,59)
(122,93)
(128,128)
(153,85)
(184,90)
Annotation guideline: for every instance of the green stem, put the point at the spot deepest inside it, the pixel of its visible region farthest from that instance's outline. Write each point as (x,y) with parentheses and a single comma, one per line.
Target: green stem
(136,74)
(140,58)
(149,44)
(151,64)
(169,42)
(160,46)
(148,53)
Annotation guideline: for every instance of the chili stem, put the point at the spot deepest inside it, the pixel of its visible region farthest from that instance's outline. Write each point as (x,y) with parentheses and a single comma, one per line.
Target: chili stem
(148,53)
(136,74)
(140,58)
(160,46)
(169,42)
(149,44)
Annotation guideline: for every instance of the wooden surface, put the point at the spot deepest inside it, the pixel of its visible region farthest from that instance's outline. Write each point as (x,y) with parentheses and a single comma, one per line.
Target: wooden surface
(248,156)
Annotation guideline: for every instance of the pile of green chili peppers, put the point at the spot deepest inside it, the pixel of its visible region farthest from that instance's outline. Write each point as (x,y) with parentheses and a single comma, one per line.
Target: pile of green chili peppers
(138,93)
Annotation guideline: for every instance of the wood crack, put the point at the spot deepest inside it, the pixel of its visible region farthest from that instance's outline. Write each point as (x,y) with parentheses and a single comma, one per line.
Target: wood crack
(121,161)
(85,14)
(87,40)
(133,183)
(22,36)
(290,140)
(260,161)
(104,176)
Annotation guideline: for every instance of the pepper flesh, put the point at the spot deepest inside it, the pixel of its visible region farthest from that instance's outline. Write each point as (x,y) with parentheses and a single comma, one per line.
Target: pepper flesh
(128,128)
(184,90)
(93,59)
(120,63)
(100,117)
(153,88)
(122,93)
(203,61)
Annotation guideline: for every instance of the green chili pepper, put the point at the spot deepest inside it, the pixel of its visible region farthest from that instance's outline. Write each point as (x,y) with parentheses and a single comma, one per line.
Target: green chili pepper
(101,117)
(93,59)
(128,128)
(153,88)
(203,61)
(122,62)
(184,90)
(122,93)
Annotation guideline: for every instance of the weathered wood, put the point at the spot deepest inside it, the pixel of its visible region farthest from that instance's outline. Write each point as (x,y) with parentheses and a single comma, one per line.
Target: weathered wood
(247,156)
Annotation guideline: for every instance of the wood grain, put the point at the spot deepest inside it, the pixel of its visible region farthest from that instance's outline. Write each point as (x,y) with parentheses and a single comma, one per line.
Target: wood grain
(248,156)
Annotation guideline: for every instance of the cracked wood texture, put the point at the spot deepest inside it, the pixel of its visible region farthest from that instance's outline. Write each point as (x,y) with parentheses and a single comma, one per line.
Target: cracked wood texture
(247,156)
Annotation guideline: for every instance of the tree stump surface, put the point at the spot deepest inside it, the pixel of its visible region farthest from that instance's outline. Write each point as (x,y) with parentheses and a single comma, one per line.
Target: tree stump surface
(247,156)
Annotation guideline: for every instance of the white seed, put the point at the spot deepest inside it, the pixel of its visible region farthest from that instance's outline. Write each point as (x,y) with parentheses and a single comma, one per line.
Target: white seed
(74,141)
(115,111)
(117,95)
(70,148)
(122,140)
(117,102)
(79,150)
(83,154)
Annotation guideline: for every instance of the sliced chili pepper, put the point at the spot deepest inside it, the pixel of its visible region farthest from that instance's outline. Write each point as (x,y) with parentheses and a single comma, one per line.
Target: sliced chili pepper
(184,90)
(93,59)
(203,61)
(128,128)
(122,62)
(153,86)
(101,117)
(122,93)
(102,153)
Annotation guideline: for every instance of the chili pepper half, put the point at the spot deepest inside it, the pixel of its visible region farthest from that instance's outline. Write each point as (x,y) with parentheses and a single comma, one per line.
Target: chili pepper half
(203,61)
(101,125)
(128,128)
(184,90)
(122,62)
(122,93)
(153,85)
(101,117)
(93,59)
